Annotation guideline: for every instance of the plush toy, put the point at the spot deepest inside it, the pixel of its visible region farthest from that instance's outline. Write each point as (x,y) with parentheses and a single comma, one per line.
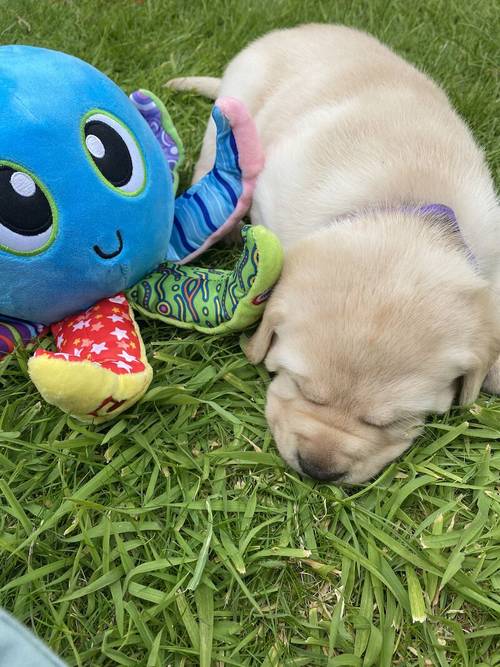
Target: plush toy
(89,224)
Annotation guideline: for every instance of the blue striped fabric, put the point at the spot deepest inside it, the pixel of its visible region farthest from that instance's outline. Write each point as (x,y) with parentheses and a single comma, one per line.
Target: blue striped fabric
(206,206)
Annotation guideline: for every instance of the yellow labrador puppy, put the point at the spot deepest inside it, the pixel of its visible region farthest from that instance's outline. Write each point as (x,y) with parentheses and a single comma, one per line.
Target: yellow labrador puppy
(388,306)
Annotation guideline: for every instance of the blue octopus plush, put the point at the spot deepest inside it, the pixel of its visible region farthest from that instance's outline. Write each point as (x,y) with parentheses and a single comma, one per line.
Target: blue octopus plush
(89,224)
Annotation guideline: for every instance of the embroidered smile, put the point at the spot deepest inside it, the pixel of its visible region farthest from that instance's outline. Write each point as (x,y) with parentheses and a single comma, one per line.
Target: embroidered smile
(115,253)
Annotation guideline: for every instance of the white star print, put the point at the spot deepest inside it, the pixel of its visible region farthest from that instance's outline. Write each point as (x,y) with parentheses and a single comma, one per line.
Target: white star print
(126,356)
(117,299)
(97,348)
(60,341)
(115,318)
(119,333)
(122,364)
(77,352)
(62,355)
(82,324)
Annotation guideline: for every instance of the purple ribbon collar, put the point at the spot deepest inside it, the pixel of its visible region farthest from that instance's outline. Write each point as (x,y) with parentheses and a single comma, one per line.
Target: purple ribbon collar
(438,211)
(447,213)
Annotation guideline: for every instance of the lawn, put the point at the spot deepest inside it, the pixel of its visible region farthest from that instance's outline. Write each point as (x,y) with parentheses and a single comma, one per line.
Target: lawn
(175,535)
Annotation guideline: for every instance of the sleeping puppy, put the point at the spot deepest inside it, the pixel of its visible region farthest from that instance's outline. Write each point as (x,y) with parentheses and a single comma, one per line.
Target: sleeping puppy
(388,306)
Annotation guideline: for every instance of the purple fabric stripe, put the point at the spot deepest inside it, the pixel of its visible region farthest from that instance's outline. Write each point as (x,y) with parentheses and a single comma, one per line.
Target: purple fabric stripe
(152,115)
(11,330)
(7,342)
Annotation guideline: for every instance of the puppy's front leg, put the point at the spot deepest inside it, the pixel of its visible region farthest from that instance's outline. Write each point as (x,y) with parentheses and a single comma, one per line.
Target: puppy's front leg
(491,382)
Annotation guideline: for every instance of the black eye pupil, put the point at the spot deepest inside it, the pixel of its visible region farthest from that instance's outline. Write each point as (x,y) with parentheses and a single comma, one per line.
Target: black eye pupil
(109,152)
(24,208)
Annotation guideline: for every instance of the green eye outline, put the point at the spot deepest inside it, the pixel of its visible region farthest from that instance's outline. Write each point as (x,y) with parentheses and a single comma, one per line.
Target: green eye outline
(117,120)
(53,208)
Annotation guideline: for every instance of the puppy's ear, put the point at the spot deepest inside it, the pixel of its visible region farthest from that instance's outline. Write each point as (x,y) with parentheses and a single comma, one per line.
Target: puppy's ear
(259,344)
(486,348)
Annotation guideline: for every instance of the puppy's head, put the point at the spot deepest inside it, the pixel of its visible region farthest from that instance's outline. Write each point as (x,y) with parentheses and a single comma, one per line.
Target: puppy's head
(375,324)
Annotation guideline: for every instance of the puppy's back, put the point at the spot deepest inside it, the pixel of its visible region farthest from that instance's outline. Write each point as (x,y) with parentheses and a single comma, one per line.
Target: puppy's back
(347,124)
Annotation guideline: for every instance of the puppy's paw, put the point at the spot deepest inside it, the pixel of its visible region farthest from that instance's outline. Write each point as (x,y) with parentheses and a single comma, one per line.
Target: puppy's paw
(491,382)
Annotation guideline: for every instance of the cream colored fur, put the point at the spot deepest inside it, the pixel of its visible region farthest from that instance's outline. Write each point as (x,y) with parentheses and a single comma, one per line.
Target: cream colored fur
(379,315)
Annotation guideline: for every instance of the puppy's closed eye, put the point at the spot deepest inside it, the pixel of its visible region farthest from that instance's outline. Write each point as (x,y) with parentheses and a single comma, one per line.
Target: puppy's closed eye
(378,423)
(385,423)
(308,392)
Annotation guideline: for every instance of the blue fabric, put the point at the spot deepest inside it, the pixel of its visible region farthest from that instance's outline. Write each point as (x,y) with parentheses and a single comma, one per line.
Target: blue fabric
(44,96)
(20,648)
(207,205)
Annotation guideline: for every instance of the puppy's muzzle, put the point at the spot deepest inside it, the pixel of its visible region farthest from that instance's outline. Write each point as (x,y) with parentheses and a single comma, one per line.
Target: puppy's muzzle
(312,469)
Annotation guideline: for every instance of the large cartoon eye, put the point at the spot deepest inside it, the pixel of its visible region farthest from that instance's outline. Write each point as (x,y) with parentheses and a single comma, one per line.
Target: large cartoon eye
(114,152)
(26,216)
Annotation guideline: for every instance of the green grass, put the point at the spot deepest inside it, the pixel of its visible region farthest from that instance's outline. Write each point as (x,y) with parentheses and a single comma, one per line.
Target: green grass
(175,536)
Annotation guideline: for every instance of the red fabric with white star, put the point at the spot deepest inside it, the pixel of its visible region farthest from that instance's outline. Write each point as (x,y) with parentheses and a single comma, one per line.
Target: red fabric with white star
(104,334)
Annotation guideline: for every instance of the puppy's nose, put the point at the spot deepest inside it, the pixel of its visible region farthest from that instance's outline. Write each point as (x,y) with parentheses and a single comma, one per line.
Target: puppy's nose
(315,471)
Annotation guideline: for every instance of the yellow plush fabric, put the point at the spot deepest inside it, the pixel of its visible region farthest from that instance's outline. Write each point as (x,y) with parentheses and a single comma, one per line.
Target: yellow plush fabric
(86,389)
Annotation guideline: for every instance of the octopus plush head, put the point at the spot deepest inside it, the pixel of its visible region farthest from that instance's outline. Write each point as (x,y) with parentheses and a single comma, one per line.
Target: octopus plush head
(86,196)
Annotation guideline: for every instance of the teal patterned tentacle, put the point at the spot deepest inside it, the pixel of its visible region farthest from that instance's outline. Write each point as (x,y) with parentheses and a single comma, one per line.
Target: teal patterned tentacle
(213,300)
(184,293)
